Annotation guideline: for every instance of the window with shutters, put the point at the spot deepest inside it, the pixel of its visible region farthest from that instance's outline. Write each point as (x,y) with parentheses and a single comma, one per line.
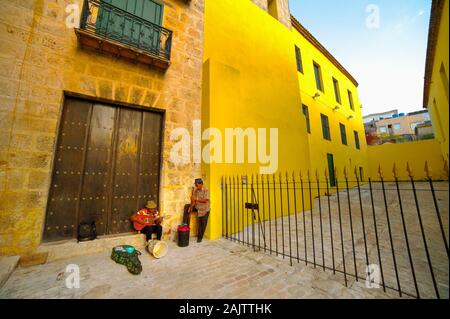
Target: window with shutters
(325,127)
(350,100)
(318,76)
(308,122)
(343,134)
(358,146)
(337,92)
(298,56)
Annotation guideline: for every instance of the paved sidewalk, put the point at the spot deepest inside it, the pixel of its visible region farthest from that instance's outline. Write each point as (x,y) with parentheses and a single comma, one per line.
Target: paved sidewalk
(212,269)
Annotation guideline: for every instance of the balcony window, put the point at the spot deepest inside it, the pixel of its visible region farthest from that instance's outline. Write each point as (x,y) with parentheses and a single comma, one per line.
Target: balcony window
(128,28)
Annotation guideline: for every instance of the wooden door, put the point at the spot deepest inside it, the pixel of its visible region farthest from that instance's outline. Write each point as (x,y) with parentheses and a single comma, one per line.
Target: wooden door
(107,165)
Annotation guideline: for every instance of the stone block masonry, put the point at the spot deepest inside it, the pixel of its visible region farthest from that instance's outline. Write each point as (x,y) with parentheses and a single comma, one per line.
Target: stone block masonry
(282,7)
(40,59)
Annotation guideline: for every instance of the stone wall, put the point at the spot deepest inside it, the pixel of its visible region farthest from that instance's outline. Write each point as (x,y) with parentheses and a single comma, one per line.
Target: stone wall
(284,14)
(263,4)
(40,58)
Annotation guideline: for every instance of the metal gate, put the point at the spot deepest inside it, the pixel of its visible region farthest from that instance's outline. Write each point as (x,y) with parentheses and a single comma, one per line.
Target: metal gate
(106,166)
(388,235)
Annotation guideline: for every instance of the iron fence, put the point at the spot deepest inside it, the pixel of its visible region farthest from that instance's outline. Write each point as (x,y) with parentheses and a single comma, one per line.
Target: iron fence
(110,22)
(389,229)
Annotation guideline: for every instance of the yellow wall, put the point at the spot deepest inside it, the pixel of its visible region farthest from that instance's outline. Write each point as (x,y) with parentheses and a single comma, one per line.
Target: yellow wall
(344,155)
(438,103)
(250,80)
(414,153)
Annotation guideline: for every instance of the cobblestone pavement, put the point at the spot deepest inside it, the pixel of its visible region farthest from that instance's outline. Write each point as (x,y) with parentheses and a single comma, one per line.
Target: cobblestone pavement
(285,235)
(212,269)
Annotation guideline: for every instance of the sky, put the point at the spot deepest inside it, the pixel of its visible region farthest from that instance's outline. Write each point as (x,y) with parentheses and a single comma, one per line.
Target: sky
(382,43)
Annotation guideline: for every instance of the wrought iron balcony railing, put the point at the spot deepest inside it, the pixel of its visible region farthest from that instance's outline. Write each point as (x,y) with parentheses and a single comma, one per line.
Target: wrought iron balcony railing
(104,21)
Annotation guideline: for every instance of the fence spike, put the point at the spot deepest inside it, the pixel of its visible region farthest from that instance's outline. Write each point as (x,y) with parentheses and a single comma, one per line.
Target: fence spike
(308,175)
(380,171)
(428,173)
(300,174)
(335,172)
(345,172)
(395,171)
(326,173)
(409,170)
(317,174)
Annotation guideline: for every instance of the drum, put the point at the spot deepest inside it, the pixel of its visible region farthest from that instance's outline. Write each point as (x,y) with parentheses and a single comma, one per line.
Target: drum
(157,248)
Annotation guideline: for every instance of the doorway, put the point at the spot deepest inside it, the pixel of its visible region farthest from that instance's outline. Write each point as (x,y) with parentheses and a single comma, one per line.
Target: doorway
(330,160)
(107,166)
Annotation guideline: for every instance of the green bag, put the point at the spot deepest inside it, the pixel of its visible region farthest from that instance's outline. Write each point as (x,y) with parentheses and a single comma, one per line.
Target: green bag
(128,256)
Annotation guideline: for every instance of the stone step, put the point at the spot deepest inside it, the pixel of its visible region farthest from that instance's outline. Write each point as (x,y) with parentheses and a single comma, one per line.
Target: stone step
(71,248)
(7,266)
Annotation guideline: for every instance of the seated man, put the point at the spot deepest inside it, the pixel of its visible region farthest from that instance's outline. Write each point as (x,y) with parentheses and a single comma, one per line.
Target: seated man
(148,221)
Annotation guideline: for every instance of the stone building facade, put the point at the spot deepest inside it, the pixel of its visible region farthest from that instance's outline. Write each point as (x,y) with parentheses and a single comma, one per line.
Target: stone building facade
(41,61)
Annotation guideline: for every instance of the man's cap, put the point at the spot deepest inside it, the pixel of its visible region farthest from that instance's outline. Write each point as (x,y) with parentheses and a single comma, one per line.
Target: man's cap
(198,181)
(151,204)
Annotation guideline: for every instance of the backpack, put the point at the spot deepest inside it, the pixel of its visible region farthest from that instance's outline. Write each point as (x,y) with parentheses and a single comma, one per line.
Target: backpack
(87,231)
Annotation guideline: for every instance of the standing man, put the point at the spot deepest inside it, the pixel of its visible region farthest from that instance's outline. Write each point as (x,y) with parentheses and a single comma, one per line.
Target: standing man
(199,204)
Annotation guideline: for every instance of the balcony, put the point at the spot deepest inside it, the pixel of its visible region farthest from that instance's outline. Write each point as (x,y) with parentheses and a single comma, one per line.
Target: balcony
(108,28)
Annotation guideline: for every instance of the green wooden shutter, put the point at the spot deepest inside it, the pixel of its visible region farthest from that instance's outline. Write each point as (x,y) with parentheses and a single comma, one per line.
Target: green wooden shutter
(325,127)
(343,134)
(306,113)
(358,146)
(298,56)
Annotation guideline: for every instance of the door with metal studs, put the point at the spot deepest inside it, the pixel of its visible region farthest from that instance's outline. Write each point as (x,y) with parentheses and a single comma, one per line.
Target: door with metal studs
(106,167)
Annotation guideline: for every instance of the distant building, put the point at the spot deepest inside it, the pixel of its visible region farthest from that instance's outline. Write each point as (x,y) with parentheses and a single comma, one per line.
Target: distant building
(396,127)
(379,116)
(424,131)
(402,124)
(370,121)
